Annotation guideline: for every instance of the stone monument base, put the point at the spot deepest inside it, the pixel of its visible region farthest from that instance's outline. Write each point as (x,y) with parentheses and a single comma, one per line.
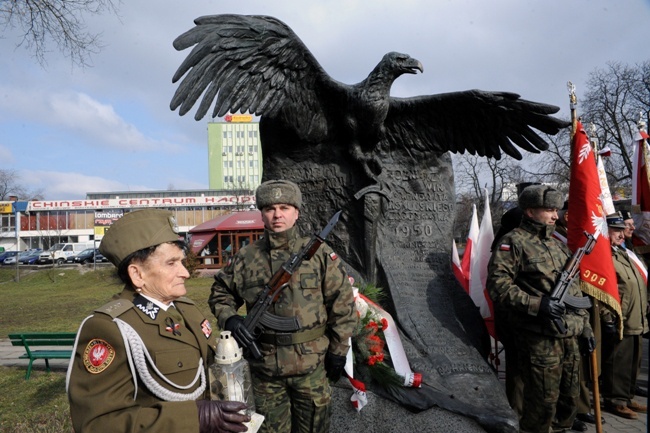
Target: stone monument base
(385,416)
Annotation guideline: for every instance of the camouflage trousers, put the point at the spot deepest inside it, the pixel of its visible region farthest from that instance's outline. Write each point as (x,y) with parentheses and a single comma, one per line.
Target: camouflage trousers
(549,368)
(298,404)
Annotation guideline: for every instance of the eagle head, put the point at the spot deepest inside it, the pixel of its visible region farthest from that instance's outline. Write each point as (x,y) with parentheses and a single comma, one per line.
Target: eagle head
(400,63)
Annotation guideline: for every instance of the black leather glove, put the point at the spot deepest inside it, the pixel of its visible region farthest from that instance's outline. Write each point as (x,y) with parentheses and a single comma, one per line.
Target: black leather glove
(221,416)
(587,342)
(609,327)
(551,308)
(235,325)
(334,365)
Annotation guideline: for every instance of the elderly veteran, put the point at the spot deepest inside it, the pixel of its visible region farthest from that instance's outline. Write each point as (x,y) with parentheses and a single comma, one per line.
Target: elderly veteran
(522,273)
(290,381)
(621,357)
(140,361)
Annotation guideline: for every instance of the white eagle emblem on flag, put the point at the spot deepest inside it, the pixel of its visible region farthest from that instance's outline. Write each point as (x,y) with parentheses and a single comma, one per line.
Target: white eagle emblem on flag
(599,223)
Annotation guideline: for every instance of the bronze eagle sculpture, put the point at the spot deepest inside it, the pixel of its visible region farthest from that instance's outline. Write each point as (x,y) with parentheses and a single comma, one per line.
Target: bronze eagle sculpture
(257,64)
(385,162)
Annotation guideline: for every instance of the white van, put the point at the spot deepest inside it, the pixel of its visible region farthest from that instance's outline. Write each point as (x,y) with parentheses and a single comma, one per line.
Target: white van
(58,253)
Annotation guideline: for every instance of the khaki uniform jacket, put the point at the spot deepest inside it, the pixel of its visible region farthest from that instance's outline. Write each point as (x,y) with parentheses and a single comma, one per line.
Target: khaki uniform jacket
(524,267)
(319,295)
(101,384)
(633,292)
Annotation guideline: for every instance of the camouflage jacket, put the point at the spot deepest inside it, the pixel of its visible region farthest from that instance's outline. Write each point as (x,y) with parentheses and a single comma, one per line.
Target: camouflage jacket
(319,295)
(524,267)
(633,292)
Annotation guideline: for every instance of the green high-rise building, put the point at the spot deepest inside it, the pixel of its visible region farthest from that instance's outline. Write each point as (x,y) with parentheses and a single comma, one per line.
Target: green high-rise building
(234,153)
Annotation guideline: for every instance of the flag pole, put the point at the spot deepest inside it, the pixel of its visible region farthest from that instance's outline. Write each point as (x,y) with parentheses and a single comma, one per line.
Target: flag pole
(594,372)
(573,103)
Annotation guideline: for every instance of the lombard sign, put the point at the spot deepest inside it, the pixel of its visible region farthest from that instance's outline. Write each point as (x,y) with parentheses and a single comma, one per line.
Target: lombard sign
(137,203)
(104,219)
(6,207)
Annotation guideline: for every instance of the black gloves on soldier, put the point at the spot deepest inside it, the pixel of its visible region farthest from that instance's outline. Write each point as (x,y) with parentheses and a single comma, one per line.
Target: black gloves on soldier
(609,327)
(551,308)
(221,416)
(587,342)
(334,365)
(235,325)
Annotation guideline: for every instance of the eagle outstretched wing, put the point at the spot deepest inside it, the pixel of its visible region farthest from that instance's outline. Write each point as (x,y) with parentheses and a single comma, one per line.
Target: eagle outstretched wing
(257,64)
(254,64)
(476,121)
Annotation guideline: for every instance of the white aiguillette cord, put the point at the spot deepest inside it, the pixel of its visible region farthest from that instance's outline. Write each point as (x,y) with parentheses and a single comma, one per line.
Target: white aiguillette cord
(136,353)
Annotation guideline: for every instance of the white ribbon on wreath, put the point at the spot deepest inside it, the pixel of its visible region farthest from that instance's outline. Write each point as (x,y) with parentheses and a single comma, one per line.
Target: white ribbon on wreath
(395,348)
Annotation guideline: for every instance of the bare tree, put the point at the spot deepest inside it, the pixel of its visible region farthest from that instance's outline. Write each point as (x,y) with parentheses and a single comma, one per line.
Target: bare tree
(614,99)
(475,173)
(61,21)
(552,167)
(10,185)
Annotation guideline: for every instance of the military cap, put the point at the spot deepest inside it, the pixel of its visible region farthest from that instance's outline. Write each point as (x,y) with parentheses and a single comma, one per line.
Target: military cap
(138,230)
(626,215)
(540,196)
(278,192)
(615,221)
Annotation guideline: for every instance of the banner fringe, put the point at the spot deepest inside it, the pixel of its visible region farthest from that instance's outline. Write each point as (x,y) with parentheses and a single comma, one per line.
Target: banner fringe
(606,299)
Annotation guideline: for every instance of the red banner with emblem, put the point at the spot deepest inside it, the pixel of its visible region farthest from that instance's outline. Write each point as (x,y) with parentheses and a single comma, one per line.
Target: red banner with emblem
(586,213)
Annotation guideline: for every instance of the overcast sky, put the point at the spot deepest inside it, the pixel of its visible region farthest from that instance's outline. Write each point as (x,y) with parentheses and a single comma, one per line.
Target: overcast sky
(70,131)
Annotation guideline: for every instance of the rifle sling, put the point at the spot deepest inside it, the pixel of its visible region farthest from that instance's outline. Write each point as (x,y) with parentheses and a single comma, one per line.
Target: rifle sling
(289,338)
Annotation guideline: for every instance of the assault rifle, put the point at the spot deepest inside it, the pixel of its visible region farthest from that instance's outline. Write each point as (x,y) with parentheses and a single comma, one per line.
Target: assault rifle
(569,273)
(258,317)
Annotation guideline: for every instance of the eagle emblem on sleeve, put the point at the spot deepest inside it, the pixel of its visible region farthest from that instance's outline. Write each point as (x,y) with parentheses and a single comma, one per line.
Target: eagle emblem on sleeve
(98,355)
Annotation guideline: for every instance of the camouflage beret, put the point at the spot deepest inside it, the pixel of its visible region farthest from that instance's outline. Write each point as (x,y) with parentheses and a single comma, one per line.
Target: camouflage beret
(540,196)
(138,230)
(278,192)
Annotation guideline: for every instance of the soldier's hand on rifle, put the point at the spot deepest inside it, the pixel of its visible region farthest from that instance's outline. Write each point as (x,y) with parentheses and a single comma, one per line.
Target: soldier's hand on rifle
(587,342)
(551,308)
(235,325)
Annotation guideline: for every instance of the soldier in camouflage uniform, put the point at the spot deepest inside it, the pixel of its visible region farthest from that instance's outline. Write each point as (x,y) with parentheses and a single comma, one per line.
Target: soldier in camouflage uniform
(522,272)
(290,381)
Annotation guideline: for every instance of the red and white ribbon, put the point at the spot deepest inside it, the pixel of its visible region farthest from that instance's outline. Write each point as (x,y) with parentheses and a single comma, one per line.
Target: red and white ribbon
(400,363)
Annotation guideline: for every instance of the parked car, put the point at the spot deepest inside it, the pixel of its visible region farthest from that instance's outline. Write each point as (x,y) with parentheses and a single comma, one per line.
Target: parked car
(21,255)
(86,256)
(6,255)
(31,258)
(59,253)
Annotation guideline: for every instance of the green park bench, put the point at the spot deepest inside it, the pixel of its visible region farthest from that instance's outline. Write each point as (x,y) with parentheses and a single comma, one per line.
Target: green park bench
(31,339)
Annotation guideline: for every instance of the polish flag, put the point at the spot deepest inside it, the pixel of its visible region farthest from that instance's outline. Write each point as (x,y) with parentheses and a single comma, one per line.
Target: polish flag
(472,240)
(641,189)
(478,268)
(456,266)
